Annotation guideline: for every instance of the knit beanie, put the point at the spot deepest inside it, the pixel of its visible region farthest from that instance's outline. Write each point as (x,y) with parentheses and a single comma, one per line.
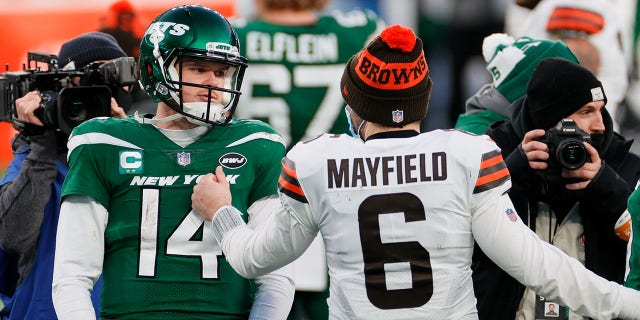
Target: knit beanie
(388,81)
(87,48)
(511,62)
(557,89)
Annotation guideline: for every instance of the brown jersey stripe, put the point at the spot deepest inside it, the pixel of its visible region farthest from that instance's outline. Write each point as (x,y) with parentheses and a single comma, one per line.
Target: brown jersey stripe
(493,172)
(291,190)
(494,160)
(288,181)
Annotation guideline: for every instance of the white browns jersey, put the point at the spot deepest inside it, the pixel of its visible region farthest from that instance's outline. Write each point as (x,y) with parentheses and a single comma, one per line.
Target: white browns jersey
(395,215)
(398,217)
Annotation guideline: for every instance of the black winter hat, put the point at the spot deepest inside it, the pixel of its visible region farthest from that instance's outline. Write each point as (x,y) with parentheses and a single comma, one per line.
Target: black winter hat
(558,88)
(388,81)
(89,47)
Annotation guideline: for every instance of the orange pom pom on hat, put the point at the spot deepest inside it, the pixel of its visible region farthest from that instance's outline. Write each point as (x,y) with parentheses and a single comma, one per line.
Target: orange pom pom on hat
(388,81)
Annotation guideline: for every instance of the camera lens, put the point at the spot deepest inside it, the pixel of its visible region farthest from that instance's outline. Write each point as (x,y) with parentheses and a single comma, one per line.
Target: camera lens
(571,154)
(79,104)
(77,111)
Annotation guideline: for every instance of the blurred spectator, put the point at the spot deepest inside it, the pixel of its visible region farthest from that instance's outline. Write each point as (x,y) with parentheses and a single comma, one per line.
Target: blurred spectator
(121,22)
(453,32)
(597,21)
(511,63)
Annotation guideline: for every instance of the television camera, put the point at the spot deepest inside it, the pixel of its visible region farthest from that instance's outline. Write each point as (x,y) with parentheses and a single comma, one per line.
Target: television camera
(64,106)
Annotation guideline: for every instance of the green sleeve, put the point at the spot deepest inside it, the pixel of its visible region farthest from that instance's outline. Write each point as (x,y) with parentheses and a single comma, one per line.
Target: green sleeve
(633,279)
(478,123)
(267,175)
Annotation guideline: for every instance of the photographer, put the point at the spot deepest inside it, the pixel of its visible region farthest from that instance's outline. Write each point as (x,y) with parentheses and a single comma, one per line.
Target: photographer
(30,190)
(573,209)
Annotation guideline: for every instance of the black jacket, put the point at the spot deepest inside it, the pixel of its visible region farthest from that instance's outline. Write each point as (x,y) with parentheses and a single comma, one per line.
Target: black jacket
(601,204)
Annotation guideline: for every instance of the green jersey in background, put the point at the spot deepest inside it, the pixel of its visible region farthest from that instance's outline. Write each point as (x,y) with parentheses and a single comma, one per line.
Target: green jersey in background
(293,78)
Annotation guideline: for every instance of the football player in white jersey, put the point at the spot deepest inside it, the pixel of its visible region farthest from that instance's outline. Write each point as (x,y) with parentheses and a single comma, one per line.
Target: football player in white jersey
(399,210)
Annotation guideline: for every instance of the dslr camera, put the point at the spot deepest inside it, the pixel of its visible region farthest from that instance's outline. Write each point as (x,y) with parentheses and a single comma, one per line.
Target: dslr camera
(566,148)
(64,107)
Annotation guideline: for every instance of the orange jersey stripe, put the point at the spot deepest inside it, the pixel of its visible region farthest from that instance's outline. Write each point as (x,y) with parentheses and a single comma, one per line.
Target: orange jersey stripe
(492,177)
(291,187)
(581,14)
(491,162)
(575,19)
(289,171)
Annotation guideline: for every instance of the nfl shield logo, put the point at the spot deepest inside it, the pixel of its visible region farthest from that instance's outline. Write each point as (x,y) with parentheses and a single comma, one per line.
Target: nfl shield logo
(184,159)
(397,116)
(511,214)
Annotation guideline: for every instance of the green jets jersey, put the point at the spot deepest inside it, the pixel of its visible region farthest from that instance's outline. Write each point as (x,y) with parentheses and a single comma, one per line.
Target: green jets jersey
(293,78)
(633,247)
(161,261)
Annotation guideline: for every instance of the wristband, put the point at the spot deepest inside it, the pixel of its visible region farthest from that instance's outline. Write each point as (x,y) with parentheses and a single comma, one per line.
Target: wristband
(226,219)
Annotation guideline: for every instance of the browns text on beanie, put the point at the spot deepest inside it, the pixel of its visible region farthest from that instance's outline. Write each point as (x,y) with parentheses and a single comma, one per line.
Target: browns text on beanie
(388,81)
(87,48)
(557,89)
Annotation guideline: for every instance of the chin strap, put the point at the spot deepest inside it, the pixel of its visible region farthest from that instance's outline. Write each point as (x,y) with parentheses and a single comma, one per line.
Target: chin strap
(144,120)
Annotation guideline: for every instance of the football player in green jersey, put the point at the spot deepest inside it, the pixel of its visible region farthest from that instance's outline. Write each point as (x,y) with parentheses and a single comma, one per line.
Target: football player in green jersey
(126,210)
(297,56)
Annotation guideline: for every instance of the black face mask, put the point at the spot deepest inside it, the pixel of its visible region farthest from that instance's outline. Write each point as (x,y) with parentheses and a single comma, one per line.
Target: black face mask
(123,97)
(597,140)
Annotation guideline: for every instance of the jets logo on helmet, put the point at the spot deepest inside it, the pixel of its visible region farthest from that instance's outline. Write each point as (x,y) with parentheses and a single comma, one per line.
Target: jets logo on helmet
(197,33)
(175,29)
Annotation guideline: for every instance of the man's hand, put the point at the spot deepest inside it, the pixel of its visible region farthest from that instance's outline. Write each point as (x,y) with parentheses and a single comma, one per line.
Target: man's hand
(587,172)
(537,152)
(26,107)
(116,110)
(211,194)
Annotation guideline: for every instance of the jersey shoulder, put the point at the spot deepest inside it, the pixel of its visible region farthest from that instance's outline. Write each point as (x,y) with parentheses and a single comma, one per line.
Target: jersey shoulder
(312,153)
(357,26)
(249,126)
(247,130)
(354,19)
(482,157)
(466,143)
(105,125)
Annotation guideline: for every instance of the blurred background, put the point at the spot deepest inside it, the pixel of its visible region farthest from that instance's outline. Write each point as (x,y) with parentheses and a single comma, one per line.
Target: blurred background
(452,31)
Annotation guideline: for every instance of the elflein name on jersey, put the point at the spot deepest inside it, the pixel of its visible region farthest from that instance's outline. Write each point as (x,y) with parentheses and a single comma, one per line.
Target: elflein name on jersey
(382,171)
(305,48)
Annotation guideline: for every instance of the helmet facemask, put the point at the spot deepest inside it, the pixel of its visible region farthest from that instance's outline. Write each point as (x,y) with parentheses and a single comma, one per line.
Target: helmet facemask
(185,34)
(211,111)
